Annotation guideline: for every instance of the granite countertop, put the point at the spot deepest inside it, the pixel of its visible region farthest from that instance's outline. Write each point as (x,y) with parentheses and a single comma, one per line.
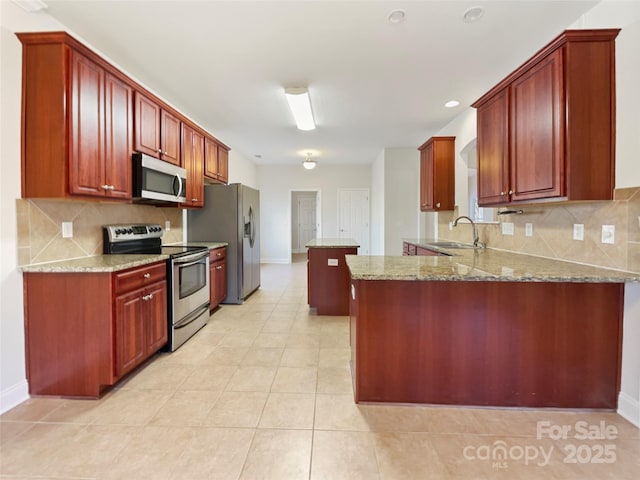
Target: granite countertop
(332,243)
(209,245)
(480,265)
(108,263)
(95,264)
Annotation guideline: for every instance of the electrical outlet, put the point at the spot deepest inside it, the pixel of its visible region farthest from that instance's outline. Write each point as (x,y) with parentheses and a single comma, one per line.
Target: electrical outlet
(451,225)
(578,231)
(67,229)
(528,229)
(608,234)
(167,226)
(507,228)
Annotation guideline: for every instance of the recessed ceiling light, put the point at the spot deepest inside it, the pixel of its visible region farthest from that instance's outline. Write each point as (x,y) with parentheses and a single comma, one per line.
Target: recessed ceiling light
(31,5)
(452,103)
(473,14)
(397,16)
(257,155)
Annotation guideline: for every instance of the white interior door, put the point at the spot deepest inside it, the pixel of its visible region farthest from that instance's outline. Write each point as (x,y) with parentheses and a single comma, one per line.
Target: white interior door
(306,220)
(353,216)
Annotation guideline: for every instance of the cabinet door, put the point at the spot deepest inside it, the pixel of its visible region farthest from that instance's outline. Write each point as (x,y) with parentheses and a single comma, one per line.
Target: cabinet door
(223,164)
(426,178)
(221,281)
(537,126)
(210,158)
(493,151)
(170,137)
(130,339)
(86,163)
(118,133)
(156,316)
(147,126)
(193,161)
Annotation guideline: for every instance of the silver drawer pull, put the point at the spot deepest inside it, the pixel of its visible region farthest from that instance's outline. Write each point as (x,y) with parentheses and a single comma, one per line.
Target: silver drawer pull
(147,275)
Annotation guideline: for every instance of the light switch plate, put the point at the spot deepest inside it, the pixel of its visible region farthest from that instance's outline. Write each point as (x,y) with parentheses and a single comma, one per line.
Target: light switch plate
(507,228)
(67,229)
(608,234)
(167,226)
(578,231)
(528,229)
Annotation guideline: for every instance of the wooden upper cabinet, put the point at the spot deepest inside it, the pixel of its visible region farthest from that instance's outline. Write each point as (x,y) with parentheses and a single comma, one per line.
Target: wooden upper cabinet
(547,131)
(493,147)
(76,121)
(437,162)
(157,130)
(223,164)
(216,161)
(193,146)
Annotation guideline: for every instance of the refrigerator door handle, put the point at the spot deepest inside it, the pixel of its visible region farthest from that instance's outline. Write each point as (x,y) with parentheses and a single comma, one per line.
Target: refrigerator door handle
(252,231)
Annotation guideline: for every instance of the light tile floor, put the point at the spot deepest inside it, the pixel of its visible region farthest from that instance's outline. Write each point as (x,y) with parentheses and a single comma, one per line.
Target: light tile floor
(264,392)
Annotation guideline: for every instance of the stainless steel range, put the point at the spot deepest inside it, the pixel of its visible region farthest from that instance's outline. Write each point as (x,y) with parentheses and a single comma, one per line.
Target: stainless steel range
(187,275)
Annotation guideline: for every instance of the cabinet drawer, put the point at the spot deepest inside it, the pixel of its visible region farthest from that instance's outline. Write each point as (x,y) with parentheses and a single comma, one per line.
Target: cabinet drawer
(217,254)
(139,277)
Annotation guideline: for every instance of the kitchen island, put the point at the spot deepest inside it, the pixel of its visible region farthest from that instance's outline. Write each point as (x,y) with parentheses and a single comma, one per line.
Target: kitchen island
(486,327)
(327,274)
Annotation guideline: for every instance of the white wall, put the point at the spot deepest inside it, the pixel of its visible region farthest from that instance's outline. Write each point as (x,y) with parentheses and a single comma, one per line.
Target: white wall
(625,15)
(401,197)
(13,384)
(242,170)
(377,205)
(275,185)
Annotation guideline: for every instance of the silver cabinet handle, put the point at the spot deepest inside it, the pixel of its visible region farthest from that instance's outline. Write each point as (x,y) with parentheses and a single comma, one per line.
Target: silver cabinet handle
(219,267)
(438,205)
(160,151)
(510,192)
(147,275)
(502,194)
(150,296)
(194,199)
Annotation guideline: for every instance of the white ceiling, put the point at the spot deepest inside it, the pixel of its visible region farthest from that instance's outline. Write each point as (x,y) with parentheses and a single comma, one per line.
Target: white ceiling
(373,84)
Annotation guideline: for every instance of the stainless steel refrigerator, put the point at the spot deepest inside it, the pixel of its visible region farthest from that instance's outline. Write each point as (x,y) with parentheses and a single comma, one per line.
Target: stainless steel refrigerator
(231,214)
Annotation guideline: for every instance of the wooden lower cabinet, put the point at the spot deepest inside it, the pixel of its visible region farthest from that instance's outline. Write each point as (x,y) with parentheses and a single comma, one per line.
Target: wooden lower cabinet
(328,280)
(508,344)
(85,331)
(217,276)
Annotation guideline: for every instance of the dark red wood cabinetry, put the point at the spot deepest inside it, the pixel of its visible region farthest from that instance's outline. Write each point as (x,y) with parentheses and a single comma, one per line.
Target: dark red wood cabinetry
(328,279)
(76,121)
(217,276)
(437,162)
(216,165)
(547,131)
(157,131)
(193,162)
(526,344)
(84,331)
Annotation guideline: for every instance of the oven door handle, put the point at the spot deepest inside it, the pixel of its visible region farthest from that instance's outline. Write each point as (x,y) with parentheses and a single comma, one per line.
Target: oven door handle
(186,261)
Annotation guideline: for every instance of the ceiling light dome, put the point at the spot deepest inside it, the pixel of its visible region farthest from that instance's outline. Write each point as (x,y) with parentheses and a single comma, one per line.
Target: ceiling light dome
(308,163)
(397,16)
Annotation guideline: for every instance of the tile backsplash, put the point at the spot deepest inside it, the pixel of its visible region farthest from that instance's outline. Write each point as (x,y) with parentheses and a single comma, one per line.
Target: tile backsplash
(553,231)
(40,226)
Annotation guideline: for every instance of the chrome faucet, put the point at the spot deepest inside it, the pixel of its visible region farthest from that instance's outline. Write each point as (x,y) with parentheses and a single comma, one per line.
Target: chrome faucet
(476,240)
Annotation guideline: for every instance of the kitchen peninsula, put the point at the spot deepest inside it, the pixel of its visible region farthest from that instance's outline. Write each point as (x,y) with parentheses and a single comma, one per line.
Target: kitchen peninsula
(328,275)
(485,327)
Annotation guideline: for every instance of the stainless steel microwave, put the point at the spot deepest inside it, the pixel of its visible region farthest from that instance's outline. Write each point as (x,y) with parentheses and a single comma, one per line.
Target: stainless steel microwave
(155,181)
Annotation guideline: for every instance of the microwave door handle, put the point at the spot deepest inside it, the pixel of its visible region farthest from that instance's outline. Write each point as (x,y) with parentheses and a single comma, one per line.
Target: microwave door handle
(179,186)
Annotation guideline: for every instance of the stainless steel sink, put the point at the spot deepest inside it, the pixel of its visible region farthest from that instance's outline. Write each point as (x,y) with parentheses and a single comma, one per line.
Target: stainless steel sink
(452,245)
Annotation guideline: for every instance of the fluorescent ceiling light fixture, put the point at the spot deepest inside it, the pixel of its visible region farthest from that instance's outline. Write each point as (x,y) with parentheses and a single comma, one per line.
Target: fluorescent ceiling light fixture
(31,5)
(300,105)
(308,163)
(452,104)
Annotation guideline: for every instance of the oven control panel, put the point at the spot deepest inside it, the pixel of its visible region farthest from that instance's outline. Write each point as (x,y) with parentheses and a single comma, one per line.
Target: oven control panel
(125,232)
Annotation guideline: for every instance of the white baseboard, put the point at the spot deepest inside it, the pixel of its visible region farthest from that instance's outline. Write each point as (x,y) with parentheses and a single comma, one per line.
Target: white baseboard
(629,408)
(14,395)
(275,260)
